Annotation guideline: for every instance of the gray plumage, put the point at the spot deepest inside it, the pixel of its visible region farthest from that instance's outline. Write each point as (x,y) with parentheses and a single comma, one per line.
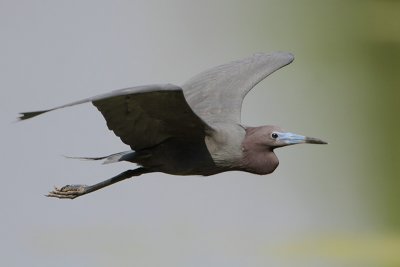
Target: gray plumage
(194,129)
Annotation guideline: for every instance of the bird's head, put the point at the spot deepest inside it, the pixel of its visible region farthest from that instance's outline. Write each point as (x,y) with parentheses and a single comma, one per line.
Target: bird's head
(274,137)
(277,137)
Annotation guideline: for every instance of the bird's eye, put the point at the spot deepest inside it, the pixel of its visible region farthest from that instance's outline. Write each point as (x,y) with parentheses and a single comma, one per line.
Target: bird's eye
(274,135)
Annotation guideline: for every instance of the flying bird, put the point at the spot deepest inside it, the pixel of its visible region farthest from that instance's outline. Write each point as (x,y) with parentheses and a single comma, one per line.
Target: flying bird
(193,129)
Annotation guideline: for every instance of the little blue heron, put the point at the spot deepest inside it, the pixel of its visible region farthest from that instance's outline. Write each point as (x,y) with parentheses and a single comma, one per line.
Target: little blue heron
(194,129)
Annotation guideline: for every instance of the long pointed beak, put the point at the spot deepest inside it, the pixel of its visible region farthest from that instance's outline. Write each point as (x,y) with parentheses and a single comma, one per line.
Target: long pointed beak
(291,139)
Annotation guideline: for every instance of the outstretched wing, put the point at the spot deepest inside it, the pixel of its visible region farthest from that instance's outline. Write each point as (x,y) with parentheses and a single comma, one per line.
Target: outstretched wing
(217,94)
(145,116)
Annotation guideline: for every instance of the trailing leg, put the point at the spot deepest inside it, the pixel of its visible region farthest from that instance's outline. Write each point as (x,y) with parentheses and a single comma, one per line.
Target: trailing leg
(74,191)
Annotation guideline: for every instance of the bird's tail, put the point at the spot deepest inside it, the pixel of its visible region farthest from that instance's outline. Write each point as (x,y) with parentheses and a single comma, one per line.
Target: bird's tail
(121,156)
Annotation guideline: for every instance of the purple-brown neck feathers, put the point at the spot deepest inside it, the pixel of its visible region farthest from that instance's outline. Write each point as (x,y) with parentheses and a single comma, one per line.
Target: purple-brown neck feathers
(258,156)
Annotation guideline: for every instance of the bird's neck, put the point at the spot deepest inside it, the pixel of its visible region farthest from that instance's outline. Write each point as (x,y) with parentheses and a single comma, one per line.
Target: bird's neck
(259,162)
(257,158)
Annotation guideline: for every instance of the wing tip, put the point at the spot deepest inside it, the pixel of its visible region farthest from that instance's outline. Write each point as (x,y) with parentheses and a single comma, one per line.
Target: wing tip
(29,115)
(281,56)
(288,56)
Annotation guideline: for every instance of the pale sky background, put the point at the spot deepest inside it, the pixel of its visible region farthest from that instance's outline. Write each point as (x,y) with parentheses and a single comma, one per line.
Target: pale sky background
(323,206)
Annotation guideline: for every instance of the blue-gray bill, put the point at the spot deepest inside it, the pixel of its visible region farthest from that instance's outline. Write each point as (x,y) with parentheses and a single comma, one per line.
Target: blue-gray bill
(292,138)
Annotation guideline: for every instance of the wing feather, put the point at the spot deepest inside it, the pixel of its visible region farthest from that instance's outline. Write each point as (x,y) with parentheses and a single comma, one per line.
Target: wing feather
(145,116)
(147,119)
(216,95)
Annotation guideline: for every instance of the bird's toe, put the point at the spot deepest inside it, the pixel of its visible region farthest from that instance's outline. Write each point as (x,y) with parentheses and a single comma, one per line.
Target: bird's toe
(68,191)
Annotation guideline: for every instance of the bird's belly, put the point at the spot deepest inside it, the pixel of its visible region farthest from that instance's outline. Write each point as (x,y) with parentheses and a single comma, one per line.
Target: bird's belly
(182,159)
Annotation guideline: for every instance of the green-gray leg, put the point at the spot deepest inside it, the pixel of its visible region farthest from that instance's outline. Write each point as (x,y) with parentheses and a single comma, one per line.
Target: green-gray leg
(74,191)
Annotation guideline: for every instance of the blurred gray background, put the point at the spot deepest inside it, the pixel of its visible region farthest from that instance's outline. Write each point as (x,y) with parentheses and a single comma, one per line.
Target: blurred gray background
(335,205)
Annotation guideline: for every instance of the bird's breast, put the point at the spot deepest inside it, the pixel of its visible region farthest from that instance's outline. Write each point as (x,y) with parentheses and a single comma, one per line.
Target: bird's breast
(225,144)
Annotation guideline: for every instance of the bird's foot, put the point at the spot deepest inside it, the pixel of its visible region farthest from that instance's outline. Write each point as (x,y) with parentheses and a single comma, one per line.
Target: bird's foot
(68,191)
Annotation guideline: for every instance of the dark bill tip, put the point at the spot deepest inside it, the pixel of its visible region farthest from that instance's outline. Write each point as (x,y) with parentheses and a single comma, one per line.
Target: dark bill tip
(312,140)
